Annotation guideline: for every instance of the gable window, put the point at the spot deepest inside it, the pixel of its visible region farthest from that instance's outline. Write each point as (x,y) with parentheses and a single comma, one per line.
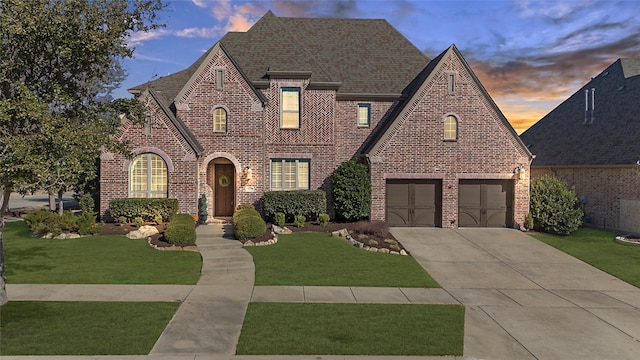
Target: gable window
(148,126)
(219,79)
(364,114)
(219,120)
(289,174)
(450,128)
(148,177)
(290,108)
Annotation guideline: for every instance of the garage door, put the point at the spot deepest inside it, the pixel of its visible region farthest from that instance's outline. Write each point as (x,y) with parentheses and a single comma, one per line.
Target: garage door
(485,203)
(414,202)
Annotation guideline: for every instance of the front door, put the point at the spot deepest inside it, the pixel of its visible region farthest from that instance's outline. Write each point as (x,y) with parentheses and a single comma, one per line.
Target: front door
(224,189)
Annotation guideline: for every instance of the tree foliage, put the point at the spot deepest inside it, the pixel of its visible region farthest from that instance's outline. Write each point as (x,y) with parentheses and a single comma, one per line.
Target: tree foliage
(351,190)
(554,207)
(59,61)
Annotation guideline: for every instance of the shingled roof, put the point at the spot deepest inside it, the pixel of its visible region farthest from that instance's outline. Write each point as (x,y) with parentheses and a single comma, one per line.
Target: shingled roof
(610,135)
(356,56)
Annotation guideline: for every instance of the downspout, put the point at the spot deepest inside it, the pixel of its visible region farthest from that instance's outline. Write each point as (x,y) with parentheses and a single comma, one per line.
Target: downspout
(197,182)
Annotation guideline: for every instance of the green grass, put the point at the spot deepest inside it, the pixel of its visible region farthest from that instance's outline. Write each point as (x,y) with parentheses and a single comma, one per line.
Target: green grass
(82,328)
(599,248)
(352,329)
(318,259)
(103,259)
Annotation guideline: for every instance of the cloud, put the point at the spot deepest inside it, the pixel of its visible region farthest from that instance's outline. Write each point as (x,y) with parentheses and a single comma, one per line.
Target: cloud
(200,3)
(139,56)
(237,17)
(137,38)
(207,33)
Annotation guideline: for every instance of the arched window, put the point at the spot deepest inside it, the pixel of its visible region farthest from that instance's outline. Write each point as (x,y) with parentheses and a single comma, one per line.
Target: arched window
(450,128)
(148,177)
(219,120)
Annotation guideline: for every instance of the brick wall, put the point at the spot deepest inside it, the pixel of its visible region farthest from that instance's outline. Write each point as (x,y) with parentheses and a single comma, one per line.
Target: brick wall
(604,187)
(485,148)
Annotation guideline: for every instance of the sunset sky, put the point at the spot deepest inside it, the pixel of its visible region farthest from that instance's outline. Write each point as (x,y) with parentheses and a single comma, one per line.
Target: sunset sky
(530,55)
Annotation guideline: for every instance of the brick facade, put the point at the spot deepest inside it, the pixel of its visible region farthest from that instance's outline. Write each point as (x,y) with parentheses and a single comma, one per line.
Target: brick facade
(609,193)
(328,135)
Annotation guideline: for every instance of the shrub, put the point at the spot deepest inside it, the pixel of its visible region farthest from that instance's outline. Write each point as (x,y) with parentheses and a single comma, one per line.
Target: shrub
(181,230)
(245,206)
(554,207)
(147,209)
(528,221)
(87,204)
(43,222)
(309,203)
(280,219)
(323,219)
(87,224)
(157,219)
(138,220)
(299,220)
(351,190)
(247,224)
(122,219)
(202,206)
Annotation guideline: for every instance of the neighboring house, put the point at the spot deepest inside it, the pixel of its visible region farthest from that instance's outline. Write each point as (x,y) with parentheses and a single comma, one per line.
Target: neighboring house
(280,106)
(592,141)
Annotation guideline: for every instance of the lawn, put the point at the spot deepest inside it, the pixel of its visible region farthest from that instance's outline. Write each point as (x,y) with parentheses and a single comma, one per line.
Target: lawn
(103,259)
(352,329)
(318,259)
(599,248)
(82,328)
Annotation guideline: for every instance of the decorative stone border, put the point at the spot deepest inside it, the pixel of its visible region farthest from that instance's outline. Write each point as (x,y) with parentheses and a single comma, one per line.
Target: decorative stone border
(193,248)
(628,239)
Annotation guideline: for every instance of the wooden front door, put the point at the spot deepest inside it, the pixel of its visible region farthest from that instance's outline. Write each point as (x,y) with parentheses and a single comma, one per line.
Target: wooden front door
(224,189)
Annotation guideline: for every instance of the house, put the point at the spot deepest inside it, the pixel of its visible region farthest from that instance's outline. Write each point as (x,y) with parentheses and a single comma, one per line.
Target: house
(591,142)
(280,106)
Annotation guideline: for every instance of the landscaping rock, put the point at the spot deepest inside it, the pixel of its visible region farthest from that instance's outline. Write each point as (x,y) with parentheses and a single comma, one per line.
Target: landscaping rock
(404,253)
(342,233)
(281,230)
(143,232)
(383,250)
(68,236)
(249,243)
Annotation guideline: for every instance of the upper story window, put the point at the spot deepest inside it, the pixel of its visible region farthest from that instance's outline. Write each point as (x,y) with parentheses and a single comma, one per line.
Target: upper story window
(450,128)
(290,108)
(148,177)
(364,114)
(219,120)
(219,79)
(289,174)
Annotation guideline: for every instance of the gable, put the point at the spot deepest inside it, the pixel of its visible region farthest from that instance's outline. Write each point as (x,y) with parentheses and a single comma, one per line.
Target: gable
(597,125)
(419,117)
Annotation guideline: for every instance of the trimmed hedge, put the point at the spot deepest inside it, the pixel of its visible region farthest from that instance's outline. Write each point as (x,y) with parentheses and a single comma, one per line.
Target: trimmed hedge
(309,203)
(351,190)
(147,209)
(247,224)
(181,230)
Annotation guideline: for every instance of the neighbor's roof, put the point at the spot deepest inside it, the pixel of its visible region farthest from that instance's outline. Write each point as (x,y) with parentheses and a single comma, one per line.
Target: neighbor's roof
(569,136)
(358,56)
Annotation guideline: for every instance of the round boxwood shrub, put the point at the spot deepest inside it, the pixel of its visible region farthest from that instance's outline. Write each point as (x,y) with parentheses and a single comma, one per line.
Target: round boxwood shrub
(181,230)
(351,190)
(554,207)
(248,224)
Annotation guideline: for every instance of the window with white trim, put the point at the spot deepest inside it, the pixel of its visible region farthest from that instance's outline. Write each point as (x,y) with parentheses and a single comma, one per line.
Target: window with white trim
(364,114)
(289,174)
(148,177)
(450,128)
(219,120)
(290,108)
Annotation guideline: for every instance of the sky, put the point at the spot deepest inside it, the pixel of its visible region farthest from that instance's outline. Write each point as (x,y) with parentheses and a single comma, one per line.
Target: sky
(529,55)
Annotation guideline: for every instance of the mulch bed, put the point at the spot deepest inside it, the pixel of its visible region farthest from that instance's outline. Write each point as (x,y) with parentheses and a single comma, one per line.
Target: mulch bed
(362,231)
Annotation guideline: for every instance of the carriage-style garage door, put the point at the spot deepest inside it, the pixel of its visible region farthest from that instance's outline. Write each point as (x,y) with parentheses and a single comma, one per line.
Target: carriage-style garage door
(485,203)
(414,202)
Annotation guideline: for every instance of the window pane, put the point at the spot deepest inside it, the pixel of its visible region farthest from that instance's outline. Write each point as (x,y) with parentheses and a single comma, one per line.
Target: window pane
(289,175)
(290,109)
(276,175)
(158,174)
(290,120)
(363,115)
(139,174)
(303,175)
(148,177)
(450,128)
(290,100)
(220,120)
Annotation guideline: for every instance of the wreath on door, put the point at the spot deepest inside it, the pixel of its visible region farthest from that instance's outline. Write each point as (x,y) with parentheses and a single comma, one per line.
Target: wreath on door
(224,181)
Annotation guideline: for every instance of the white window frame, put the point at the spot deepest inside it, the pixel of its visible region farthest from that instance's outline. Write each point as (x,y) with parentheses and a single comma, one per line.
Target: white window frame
(301,179)
(151,180)
(286,111)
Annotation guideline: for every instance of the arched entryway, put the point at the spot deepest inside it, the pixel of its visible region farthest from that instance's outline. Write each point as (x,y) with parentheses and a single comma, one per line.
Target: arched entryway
(221,177)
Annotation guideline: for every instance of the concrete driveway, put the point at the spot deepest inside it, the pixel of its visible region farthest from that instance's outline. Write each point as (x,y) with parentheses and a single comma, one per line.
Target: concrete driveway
(527,300)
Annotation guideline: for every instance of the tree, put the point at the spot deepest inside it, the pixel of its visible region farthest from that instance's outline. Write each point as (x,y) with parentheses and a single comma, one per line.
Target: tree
(60,59)
(351,190)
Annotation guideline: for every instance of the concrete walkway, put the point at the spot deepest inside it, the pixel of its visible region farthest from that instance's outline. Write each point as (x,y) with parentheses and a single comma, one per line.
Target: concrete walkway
(527,300)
